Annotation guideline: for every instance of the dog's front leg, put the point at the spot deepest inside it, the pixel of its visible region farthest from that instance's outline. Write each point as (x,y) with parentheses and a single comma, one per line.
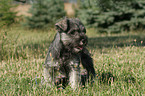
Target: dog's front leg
(49,76)
(74,76)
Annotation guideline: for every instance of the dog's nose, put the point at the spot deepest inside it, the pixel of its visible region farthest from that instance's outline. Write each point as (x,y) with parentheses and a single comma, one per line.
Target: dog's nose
(83,42)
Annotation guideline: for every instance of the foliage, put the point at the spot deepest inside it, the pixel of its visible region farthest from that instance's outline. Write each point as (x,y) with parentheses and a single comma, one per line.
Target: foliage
(45,13)
(112,4)
(7,15)
(118,61)
(123,16)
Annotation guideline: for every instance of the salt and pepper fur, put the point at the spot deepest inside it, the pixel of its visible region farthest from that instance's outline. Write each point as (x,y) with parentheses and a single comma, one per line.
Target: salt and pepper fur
(66,52)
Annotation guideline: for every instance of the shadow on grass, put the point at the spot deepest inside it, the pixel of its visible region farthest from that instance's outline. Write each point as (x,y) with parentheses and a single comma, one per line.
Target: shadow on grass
(106,78)
(116,41)
(94,43)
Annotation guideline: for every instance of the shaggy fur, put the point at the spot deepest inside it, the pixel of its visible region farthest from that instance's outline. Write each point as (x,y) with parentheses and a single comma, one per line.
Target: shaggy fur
(65,54)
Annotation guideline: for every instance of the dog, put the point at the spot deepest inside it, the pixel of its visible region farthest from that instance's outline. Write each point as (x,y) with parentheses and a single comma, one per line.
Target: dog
(66,52)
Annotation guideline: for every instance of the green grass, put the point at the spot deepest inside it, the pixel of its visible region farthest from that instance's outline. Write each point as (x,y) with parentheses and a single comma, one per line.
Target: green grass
(118,59)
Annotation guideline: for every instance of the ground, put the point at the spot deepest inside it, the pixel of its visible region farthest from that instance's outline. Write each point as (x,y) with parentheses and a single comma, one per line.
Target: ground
(118,60)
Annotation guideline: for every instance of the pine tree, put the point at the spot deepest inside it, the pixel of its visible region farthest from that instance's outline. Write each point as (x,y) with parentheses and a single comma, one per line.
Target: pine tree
(45,13)
(113,18)
(7,15)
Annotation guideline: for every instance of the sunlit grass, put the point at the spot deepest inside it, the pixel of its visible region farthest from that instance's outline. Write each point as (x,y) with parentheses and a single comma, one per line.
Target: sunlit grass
(118,59)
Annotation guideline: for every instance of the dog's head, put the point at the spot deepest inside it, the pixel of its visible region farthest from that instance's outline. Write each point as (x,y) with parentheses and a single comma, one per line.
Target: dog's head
(72,34)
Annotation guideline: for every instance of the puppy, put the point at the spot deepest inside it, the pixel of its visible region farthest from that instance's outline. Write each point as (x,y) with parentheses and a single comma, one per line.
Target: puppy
(66,52)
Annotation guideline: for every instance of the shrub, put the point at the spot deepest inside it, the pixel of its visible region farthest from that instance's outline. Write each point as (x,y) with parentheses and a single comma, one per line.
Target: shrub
(44,13)
(124,16)
(7,15)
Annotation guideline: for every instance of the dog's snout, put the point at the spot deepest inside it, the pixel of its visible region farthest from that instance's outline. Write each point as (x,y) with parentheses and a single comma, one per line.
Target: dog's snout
(83,41)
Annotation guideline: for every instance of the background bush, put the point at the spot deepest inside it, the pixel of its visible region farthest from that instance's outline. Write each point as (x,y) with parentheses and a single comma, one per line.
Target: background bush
(7,15)
(45,13)
(115,17)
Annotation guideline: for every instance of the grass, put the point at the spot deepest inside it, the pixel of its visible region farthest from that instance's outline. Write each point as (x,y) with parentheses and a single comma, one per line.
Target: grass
(118,59)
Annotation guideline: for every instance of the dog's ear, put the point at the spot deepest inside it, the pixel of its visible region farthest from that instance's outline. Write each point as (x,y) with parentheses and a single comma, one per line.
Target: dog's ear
(62,26)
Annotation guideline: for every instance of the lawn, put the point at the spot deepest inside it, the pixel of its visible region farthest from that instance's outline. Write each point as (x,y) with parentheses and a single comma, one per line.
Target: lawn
(118,59)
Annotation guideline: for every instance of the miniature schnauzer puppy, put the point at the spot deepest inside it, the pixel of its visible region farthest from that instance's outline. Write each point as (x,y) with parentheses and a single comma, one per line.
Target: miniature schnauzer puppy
(66,52)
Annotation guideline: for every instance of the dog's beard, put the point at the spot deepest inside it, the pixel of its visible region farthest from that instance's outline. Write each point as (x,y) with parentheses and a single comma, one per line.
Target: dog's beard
(70,43)
(78,49)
